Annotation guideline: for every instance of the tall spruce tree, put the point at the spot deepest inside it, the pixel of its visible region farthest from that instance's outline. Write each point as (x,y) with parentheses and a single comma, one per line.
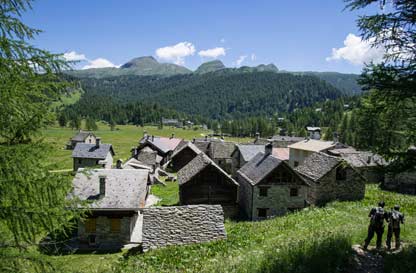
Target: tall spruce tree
(387,118)
(32,200)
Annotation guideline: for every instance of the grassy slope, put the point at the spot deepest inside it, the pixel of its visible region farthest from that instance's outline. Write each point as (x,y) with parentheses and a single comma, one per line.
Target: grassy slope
(168,194)
(266,245)
(122,140)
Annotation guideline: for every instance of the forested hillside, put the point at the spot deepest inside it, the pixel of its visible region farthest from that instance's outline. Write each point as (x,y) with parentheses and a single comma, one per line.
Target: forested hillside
(213,95)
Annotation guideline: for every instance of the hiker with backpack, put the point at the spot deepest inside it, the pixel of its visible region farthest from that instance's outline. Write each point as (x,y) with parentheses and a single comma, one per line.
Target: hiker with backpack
(395,218)
(377,216)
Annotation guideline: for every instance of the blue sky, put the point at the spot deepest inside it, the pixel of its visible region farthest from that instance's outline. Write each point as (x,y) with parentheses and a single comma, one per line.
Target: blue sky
(294,35)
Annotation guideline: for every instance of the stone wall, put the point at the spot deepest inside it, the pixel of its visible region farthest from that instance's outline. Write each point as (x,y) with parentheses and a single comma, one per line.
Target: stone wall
(278,200)
(404,182)
(104,237)
(329,188)
(163,226)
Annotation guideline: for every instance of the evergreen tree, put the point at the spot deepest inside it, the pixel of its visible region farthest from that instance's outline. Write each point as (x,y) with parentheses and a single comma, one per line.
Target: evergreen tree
(75,122)
(392,99)
(62,120)
(90,124)
(32,200)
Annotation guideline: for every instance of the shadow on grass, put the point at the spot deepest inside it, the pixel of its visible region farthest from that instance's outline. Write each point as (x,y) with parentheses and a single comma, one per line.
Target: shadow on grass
(329,255)
(402,262)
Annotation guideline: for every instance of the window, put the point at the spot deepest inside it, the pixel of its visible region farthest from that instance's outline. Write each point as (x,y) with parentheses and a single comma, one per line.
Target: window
(294,192)
(296,163)
(79,161)
(341,173)
(263,191)
(115,225)
(89,140)
(90,225)
(262,213)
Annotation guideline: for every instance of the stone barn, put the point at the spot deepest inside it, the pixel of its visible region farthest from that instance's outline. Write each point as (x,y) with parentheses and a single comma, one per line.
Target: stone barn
(116,197)
(331,178)
(403,180)
(270,187)
(93,155)
(183,156)
(164,146)
(220,152)
(202,181)
(81,137)
(370,165)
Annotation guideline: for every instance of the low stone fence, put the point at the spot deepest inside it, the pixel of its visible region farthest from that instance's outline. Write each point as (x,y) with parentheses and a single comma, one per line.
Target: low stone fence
(163,226)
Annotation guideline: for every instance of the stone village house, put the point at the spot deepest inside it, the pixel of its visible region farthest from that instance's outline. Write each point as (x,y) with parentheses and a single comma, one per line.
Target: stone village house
(164,146)
(331,178)
(370,165)
(116,196)
(81,137)
(270,187)
(183,155)
(93,155)
(299,151)
(243,153)
(202,181)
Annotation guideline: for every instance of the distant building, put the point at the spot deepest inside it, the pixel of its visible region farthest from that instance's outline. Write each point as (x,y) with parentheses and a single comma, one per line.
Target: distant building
(299,151)
(93,155)
(314,132)
(278,141)
(270,187)
(81,137)
(164,146)
(202,181)
(331,178)
(220,152)
(114,215)
(171,122)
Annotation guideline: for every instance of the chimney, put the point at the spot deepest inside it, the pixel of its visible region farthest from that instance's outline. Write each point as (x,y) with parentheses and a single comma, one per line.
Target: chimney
(119,162)
(102,186)
(206,138)
(257,136)
(153,138)
(193,140)
(369,159)
(172,136)
(97,142)
(268,149)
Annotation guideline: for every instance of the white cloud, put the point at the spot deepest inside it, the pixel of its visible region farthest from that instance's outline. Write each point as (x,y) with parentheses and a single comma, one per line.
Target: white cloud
(176,53)
(212,52)
(99,63)
(240,60)
(357,51)
(253,57)
(74,56)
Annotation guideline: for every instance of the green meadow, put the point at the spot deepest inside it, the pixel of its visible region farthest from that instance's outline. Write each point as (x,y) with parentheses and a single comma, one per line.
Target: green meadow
(123,138)
(314,240)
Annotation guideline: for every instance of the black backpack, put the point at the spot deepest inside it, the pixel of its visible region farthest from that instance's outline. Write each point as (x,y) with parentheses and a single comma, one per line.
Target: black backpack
(395,219)
(378,217)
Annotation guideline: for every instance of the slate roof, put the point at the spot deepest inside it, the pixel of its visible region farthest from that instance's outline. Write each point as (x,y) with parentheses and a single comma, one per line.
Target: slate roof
(312,128)
(86,150)
(124,189)
(286,138)
(202,145)
(133,163)
(199,163)
(317,165)
(81,136)
(147,157)
(259,167)
(163,144)
(221,149)
(359,159)
(189,145)
(248,151)
(313,145)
